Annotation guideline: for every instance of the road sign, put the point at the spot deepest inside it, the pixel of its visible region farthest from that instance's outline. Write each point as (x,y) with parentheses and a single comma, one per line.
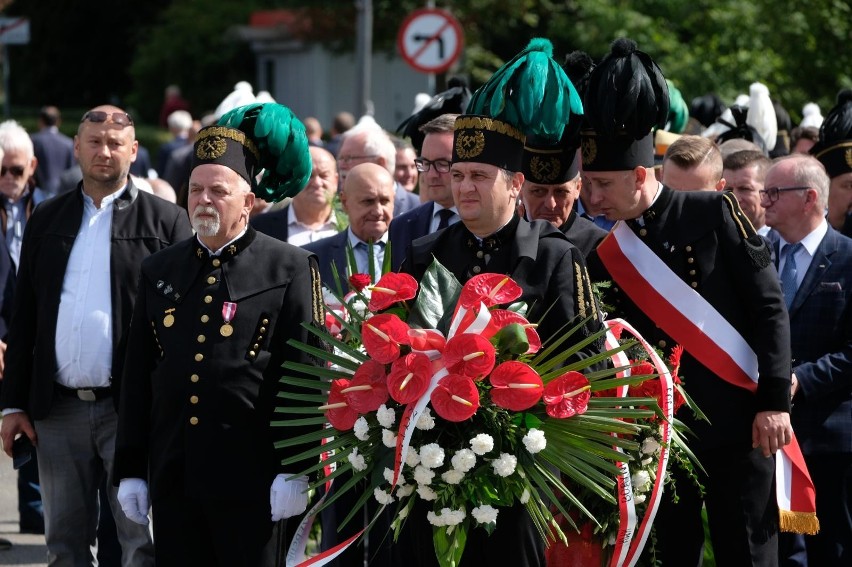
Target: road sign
(14,31)
(430,40)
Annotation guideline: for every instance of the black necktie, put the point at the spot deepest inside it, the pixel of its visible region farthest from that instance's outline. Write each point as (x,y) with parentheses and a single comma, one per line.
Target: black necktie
(446,215)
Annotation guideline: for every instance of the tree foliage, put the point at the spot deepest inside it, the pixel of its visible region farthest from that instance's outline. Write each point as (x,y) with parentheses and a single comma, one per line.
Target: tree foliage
(84,53)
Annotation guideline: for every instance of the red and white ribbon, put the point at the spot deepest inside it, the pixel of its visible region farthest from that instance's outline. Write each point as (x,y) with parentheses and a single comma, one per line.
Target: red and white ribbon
(229,309)
(687,317)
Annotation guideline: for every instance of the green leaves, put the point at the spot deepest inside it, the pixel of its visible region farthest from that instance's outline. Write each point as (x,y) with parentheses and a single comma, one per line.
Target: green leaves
(439,292)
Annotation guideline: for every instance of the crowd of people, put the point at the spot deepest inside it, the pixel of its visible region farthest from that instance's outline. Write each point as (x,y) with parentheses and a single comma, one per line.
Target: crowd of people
(145,316)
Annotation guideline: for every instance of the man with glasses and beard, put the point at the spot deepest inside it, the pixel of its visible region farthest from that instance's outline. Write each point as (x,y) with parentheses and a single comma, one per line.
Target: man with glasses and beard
(209,334)
(79,266)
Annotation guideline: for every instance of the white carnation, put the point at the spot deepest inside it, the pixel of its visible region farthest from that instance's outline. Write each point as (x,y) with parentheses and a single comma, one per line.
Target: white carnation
(639,498)
(362,429)
(534,441)
(388,474)
(464,460)
(423,476)
(404,490)
(650,446)
(452,476)
(505,464)
(386,416)
(425,422)
(382,497)
(389,438)
(641,481)
(426,492)
(525,496)
(357,461)
(412,458)
(446,517)
(485,514)
(482,443)
(432,455)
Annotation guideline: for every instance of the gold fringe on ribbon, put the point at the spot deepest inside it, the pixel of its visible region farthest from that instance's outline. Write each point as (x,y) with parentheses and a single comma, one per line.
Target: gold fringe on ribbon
(798,522)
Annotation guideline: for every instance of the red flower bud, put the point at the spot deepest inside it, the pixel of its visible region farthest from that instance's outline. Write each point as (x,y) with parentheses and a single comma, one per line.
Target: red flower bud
(359,281)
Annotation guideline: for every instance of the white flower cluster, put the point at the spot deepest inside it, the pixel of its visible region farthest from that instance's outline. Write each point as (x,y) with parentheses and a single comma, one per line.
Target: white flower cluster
(388,438)
(482,444)
(358,462)
(505,464)
(386,416)
(425,422)
(485,514)
(361,429)
(650,446)
(464,460)
(446,517)
(431,455)
(534,441)
(382,496)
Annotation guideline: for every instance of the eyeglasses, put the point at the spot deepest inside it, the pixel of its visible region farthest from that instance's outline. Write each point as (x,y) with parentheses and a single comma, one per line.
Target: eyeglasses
(441,165)
(97,116)
(15,170)
(347,159)
(772,193)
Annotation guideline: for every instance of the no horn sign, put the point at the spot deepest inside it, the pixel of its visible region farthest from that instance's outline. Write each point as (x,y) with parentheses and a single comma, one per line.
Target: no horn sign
(430,40)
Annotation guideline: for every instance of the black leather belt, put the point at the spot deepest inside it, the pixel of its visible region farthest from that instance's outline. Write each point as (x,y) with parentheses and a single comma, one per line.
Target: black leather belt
(85,394)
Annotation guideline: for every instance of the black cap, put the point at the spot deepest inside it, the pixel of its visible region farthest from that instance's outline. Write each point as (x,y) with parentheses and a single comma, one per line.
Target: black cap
(482,139)
(627,97)
(834,148)
(549,164)
(229,147)
(454,100)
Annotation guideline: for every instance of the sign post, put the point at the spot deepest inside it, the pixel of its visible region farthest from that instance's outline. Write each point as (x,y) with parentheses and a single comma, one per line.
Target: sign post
(430,40)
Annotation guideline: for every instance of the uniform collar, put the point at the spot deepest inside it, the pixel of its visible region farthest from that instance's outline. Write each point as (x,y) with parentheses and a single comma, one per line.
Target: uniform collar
(229,250)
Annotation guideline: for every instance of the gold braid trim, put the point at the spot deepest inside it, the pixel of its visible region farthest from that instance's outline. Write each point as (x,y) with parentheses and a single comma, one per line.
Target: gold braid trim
(233,134)
(490,124)
(316,296)
(738,215)
(844,144)
(798,522)
(592,300)
(581,290)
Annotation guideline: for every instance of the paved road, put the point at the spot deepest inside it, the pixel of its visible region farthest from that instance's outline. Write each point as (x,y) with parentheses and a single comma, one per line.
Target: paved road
(27,550)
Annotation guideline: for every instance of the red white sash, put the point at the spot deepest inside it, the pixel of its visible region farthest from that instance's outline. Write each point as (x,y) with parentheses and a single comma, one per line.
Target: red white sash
(688,318)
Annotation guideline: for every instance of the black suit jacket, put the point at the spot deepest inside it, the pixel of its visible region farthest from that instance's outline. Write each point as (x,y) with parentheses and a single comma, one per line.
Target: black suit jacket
(403,200)
(331,250)
(141,225)
(705,239)
(273,223)
(821,338)
(583,233)
(406,228)
(198,404)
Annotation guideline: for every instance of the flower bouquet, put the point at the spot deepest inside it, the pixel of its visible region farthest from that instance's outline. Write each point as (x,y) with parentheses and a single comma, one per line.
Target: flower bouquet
(445,393)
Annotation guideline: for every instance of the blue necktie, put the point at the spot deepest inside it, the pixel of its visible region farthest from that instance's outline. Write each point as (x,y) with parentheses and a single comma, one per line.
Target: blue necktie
(788,273)
(446,215)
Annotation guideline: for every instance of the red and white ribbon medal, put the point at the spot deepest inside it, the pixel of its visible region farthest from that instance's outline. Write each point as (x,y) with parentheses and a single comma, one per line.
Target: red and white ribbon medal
(229,309)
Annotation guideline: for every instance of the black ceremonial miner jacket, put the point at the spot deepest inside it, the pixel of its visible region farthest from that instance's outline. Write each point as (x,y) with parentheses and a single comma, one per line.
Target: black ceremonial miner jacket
(199,394)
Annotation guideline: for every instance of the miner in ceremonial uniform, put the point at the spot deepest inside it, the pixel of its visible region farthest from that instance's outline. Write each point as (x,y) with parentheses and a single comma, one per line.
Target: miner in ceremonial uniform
(703,246)
(492,238)
(207,340)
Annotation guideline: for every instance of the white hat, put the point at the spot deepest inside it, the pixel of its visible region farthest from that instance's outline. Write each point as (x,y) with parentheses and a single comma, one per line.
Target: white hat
(811,116)
(242,95)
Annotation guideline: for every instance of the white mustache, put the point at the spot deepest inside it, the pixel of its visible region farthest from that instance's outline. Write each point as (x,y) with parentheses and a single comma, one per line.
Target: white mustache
(205,210)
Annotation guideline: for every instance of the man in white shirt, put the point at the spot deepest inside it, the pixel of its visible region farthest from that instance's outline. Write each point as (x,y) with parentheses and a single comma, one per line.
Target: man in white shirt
(77,281)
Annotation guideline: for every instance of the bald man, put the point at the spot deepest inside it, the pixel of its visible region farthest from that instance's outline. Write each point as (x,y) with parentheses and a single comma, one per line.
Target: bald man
(368,199)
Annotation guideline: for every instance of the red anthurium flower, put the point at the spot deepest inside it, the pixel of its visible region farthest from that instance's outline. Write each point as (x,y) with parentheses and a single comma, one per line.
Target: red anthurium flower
(426,339)
(456,398)
(409,377)
(368,388)
(567,395)
(382,335)
(338,412)
(643,368)
(515,386)
(359,281)
(490,289)
(391,288)
(502,317)
(469,355)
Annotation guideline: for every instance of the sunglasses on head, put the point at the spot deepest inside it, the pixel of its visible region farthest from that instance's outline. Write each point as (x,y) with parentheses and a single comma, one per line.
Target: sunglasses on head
(15,170)
(120,118)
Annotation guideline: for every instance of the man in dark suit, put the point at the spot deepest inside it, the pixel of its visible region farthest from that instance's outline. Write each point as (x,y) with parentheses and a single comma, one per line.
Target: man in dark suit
(309,216)
(832,150)
(209,334)
(53,149)
(551,187)
(704,240)
(434,167)
(74,296)
(551,272)
(179,122)
(815,263)
(367,198)
(367,142)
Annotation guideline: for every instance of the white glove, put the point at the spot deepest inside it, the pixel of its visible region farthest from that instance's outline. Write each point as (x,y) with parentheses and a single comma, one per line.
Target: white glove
(288,496)
(133,497)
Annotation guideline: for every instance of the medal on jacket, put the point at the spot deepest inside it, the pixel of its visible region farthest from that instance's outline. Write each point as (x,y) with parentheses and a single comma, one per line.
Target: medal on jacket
(169,319)
(229,309)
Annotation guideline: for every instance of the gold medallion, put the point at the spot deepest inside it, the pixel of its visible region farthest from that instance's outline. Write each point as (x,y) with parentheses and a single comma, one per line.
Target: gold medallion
(169,319)
(226,330)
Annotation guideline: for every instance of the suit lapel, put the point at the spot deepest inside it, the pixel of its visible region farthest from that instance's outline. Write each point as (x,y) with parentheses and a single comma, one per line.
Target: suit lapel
(423,222)
(820,263)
